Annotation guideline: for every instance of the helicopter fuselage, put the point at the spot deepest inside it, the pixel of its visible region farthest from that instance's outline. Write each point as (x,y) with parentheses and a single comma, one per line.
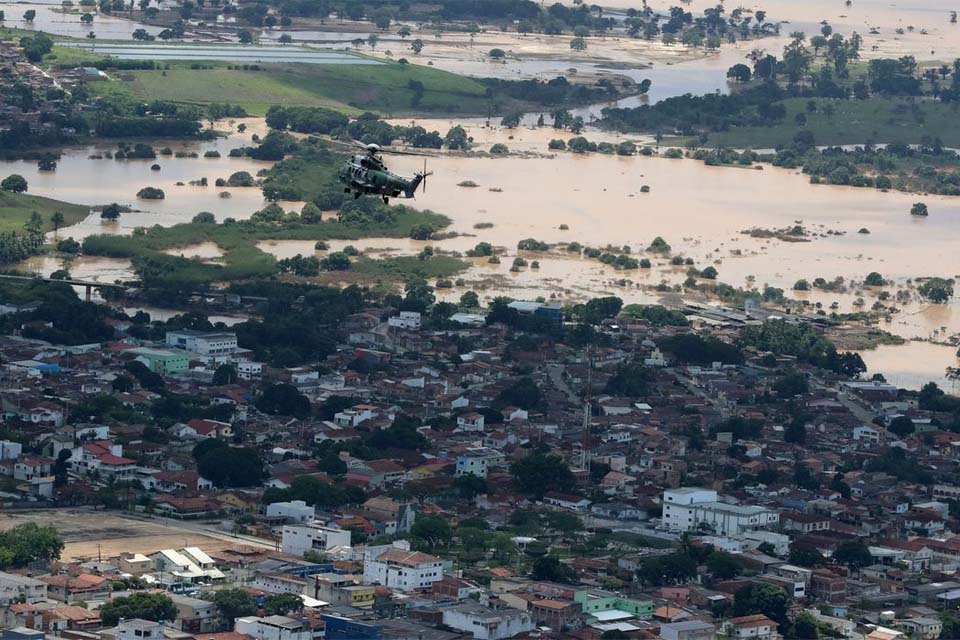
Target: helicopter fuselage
(366,174)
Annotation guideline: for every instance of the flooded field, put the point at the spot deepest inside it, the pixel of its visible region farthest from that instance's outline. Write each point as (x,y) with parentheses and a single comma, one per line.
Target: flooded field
(50,19)
(221,53)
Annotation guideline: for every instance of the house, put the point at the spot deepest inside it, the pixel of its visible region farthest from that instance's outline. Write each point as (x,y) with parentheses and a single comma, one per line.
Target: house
(86,586)
(396,567)
(30,467)
(755,627)
(470,421)
(72,618)
(161,361)
(205,343)
(202,428)
(568,502)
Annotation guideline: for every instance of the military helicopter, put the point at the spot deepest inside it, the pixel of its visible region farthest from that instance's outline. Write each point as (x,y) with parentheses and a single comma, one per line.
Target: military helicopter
(367,174)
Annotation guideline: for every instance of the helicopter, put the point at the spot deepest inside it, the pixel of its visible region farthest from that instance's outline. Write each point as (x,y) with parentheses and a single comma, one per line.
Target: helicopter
(367,174)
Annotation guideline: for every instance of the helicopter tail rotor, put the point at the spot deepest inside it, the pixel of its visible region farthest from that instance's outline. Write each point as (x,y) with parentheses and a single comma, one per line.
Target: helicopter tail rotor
(418,179)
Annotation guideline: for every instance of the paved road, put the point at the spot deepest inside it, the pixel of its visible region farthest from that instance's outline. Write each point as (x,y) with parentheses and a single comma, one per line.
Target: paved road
(555,371)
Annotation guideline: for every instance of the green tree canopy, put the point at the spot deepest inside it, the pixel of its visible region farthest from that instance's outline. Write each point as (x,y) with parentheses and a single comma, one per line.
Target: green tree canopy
(147,606)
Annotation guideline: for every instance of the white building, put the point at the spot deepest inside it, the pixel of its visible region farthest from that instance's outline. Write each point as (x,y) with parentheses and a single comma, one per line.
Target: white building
(14,587)
(206,343)
(406,320)
(478,460)
(402,569)
(867,433)
(138,629)
(487,624)
(249,370)
(295,511)
(273,628)
(696,509)
(312,536)
(10,450)
(189,565)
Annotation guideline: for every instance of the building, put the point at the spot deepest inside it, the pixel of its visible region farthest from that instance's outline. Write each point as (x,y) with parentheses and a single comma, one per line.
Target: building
(194,615)
(485,623)
(205,343)
(478,460)
(688,630)
(293,511)
(695,509)
(398,568)
(406,320)
(312,536)
(14,587)
(273,628)
(755,627)
(161,361)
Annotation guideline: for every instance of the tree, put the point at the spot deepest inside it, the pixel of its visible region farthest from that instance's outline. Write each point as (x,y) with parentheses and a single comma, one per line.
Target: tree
(854,554)
(286,38)
(760,597)
(936,290)
(282,604)
(578,44)
(403,32)
(232,604)
(538,473)
(57,220)
(227,466)
(225,374)
(470,300)
(372,40)
(673,568)
(873,279)
(469,486)
(723,565)
(147,606)
(28,543)
(550,568)
(902,426)
(14,183)
(29,15)
(710,273)
(86,18)
(919,209)
(456,138)
(245,37)
(204,217)
(805,555)
(497,54)
(110,212)
(416,46)
(804,627)
(739,73)
(432,531)
(283,399)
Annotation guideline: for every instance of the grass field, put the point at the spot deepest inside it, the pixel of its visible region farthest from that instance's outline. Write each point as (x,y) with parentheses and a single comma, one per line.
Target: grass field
(877,120)
(383,88)
(15,210)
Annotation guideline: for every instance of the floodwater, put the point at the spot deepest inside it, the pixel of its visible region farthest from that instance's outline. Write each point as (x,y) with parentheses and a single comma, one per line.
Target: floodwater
(83,180)
(914,364)
(225,53)
(50,19)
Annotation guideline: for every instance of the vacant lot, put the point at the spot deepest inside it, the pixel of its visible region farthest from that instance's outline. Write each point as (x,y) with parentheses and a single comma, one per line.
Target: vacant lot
(83,530)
